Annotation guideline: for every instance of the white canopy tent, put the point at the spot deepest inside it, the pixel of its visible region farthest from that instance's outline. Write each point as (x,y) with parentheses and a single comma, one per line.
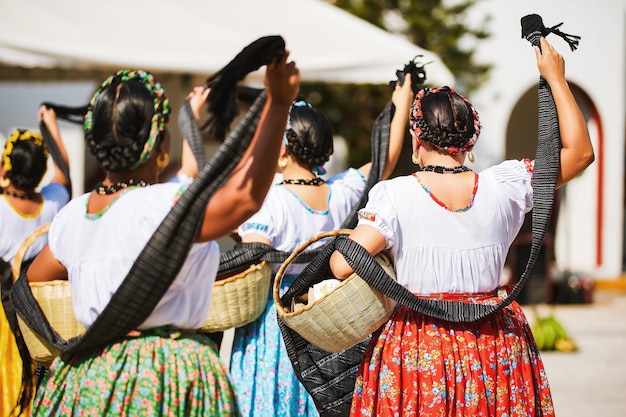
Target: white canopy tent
(201,36)
(185,37)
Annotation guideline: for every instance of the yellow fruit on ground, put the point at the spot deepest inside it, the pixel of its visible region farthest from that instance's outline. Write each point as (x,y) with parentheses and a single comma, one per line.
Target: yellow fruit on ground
(565,345)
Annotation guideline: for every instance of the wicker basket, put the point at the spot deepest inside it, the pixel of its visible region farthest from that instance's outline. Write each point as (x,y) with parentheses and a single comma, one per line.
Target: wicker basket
(343,317)
(239,299)
(55,300)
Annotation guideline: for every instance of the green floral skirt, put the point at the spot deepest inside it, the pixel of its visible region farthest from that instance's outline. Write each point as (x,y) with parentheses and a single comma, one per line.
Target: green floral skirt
(160,372)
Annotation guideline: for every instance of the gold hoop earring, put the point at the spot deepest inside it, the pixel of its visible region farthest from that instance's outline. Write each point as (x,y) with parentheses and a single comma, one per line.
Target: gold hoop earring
(470,156)
(163,160)
(4,182)
(282,162)
(416,159)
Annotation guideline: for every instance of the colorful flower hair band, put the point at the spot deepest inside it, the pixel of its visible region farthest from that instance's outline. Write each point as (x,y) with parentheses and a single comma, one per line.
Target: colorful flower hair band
(161,107)
(422,130)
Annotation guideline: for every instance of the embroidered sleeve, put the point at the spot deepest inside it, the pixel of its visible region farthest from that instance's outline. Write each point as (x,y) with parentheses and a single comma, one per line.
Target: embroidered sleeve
(530,165)
(263,223)
(380,214)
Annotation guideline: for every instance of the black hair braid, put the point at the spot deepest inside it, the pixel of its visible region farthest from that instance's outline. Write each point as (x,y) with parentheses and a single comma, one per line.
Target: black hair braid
(121,125)
(21,182)
(310,139)
(447,120)
(29,163)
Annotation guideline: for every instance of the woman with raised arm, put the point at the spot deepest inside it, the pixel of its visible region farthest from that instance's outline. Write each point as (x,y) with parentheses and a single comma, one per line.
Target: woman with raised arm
(296,209)
(25,204)
(23,208)
(448,230)
(164,367)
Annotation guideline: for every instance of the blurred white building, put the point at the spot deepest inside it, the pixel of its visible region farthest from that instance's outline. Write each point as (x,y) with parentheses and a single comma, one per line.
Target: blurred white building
(589,234)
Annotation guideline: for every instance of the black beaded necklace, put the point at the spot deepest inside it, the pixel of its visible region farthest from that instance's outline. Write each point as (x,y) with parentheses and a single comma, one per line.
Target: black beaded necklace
(300,181)
(102,189)
(444,170)
(21,196)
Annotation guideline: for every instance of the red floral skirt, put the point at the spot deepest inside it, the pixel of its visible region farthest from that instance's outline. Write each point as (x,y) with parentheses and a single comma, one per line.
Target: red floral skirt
(421,366)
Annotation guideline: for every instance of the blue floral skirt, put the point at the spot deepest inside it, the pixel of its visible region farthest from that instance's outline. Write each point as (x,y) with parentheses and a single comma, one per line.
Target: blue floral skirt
(261,371)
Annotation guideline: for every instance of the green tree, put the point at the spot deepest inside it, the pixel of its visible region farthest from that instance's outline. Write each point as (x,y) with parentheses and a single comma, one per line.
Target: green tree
(437,25)
(431,24)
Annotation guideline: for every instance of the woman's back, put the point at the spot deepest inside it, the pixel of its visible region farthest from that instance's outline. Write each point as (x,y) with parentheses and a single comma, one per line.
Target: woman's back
(288,219)
(456,249)
(98,250)
(16,225)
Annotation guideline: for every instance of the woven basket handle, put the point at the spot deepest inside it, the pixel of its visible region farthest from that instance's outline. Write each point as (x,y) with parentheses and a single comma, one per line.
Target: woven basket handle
(21,251)
(283,267)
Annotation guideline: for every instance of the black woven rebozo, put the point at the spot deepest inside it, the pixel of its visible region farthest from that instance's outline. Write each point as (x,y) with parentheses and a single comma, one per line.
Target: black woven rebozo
(330,378)
(222,106)
(161,259)
(71,114)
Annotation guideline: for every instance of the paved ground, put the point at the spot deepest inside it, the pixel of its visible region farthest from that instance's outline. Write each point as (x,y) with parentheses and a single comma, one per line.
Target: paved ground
(592,381)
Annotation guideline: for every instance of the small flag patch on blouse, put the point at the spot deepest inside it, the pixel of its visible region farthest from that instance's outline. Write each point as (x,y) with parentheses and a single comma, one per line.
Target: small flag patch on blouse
(530,165)
(367,216)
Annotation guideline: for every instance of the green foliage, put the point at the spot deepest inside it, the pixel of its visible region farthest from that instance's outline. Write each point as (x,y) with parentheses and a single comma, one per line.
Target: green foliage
(352,110)
(436,25)
(431,24)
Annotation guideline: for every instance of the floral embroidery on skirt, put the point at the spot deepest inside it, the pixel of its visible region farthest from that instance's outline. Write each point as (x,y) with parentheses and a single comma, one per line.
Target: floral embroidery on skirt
(159,372)
(421,366)
(261,370)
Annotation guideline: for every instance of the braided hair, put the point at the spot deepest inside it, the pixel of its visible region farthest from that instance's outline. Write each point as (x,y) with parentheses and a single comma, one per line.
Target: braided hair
(25,159)
(445,119)
(126,117)
(309,135)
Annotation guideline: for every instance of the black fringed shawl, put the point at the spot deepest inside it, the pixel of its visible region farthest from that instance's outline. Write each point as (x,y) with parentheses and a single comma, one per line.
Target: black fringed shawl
(161,259)
(330,377)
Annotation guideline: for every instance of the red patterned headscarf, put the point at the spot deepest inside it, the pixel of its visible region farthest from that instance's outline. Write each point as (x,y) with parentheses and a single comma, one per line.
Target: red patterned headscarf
(451,142)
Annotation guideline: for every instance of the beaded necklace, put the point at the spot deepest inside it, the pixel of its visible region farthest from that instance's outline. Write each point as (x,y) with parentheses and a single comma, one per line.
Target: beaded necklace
(444,205)
(439,169)
(21,196)
(300,181)
(102,189)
